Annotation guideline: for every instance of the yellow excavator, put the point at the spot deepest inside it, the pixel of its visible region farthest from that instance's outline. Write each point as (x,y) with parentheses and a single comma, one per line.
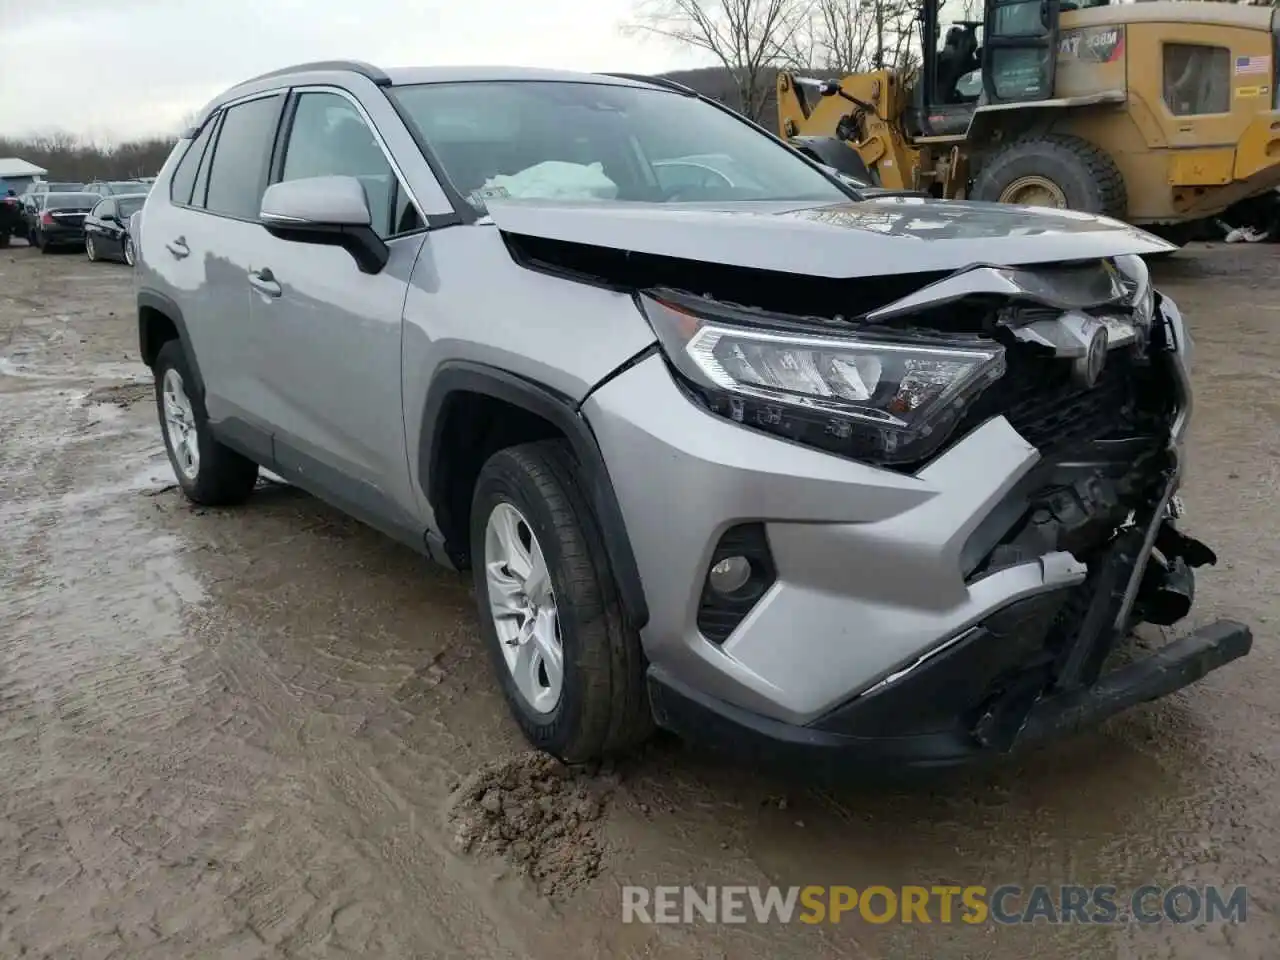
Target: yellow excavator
(1159,113)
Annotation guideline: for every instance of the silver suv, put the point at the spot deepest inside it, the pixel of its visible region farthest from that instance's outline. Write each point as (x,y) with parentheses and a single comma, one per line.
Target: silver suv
(727,446)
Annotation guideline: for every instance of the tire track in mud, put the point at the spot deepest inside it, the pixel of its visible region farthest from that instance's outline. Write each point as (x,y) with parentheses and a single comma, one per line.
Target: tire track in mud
(198,732)
(233,733)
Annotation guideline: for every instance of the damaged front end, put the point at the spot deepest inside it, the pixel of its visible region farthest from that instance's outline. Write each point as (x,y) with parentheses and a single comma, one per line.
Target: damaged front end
(1089,365)
(1097,380)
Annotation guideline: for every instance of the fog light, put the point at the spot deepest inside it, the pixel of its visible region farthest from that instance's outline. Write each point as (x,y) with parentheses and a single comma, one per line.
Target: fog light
(729,575)
(740,572)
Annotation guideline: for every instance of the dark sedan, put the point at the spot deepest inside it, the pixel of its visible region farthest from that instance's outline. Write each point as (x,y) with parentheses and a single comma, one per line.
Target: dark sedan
(106,228)
(30,199)
(59,220)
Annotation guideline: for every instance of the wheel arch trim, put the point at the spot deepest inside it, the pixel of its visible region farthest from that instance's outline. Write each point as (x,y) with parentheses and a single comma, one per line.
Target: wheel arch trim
(462,376)
(153,300)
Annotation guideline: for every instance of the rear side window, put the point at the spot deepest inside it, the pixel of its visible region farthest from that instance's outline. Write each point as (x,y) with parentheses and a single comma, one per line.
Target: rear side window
(238,175)
(202,175)
(1197,79)
(185,175)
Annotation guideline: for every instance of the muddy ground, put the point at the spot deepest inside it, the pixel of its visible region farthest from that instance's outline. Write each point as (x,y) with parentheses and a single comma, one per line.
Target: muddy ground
(260,732)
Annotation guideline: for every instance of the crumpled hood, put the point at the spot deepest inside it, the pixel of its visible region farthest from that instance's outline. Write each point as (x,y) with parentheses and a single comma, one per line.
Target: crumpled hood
(873,237)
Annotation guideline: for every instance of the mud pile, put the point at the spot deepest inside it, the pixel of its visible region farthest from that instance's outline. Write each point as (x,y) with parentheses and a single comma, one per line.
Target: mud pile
(539,815)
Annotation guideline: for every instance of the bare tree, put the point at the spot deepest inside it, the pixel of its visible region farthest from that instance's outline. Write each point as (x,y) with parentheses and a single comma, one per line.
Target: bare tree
(851,36)
(833,38)
(748,37)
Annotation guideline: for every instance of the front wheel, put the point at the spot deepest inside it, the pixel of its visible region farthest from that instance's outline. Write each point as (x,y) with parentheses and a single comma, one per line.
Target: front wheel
(569,664)
(128,251)
(208,473)
(90,250)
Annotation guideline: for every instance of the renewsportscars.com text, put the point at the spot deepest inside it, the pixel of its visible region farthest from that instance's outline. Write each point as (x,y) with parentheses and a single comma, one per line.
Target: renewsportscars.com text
(1006,904)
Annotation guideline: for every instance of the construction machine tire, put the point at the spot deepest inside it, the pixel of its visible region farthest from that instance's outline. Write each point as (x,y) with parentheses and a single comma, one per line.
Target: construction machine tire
(1068,170)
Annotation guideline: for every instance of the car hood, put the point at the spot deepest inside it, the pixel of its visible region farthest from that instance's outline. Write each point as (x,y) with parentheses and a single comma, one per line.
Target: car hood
(872,237)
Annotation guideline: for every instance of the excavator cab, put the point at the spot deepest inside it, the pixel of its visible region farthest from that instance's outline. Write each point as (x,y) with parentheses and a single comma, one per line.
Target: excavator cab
(1007,57)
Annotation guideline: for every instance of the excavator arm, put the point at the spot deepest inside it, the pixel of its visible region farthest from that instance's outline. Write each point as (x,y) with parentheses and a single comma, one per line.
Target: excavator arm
(864,110)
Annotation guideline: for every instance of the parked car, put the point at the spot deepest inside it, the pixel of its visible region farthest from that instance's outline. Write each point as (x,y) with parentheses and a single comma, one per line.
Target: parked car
(800,473)
(59,220)
(11,220)
(106,228)
(30,198)
(111,188)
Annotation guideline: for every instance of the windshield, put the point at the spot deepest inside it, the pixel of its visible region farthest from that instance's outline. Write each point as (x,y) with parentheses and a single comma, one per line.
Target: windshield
(128,206)
(588,141)
(127,186)
(70,201)
(64,187)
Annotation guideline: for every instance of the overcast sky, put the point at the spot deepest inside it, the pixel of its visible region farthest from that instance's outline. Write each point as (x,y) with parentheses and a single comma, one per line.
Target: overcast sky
(114,69)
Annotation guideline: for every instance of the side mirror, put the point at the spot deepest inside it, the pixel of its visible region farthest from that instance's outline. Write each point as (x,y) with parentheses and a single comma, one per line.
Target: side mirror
(332,211)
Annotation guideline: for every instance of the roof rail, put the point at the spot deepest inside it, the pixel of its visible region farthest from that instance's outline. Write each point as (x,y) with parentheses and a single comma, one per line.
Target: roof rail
(365,70)
(656,81)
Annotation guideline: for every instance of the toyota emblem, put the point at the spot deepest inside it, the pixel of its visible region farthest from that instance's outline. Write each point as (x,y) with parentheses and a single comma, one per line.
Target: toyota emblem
(1087,370)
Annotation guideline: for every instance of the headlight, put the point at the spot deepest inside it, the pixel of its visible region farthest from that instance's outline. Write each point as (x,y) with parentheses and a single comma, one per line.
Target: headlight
(879,398)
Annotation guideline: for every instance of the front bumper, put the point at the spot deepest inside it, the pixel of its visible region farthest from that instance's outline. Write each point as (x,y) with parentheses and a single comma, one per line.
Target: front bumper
(833,754)
(877,573)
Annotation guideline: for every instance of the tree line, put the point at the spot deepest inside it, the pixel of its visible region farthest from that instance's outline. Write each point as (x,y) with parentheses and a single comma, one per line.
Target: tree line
(72,159)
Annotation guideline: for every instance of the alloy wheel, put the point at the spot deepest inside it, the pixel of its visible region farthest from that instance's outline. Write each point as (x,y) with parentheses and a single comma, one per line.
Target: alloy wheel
(523,605)
(180,425)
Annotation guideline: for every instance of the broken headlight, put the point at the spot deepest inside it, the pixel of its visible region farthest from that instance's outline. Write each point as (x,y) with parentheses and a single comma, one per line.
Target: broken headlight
(1137,281)
(875,397)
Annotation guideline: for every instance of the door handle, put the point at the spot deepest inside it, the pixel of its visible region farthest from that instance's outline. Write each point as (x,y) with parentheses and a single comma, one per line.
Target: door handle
(178,248)
(264,281)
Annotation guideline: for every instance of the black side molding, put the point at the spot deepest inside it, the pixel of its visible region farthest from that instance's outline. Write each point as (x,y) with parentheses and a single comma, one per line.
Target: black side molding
(150,299)
(561,412)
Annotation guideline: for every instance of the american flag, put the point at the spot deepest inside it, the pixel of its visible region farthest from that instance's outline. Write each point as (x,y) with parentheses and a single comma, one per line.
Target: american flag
(1252,65)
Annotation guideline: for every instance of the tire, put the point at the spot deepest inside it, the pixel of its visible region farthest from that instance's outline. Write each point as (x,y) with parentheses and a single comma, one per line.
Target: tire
(1086,176)
(221,477)
(90,250)
(602,708)
(4,239)
(127,252)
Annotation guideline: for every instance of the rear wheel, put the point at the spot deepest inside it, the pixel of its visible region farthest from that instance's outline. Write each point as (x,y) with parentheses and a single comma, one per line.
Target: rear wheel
(1055,170)
(209,473)
(569,664)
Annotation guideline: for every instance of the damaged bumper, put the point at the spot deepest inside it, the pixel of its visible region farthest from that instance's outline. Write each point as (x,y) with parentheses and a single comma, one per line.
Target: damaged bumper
(828,752)
(924,617)
(1003,684)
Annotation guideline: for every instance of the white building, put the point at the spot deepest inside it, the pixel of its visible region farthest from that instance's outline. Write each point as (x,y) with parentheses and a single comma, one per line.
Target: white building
(16,174)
